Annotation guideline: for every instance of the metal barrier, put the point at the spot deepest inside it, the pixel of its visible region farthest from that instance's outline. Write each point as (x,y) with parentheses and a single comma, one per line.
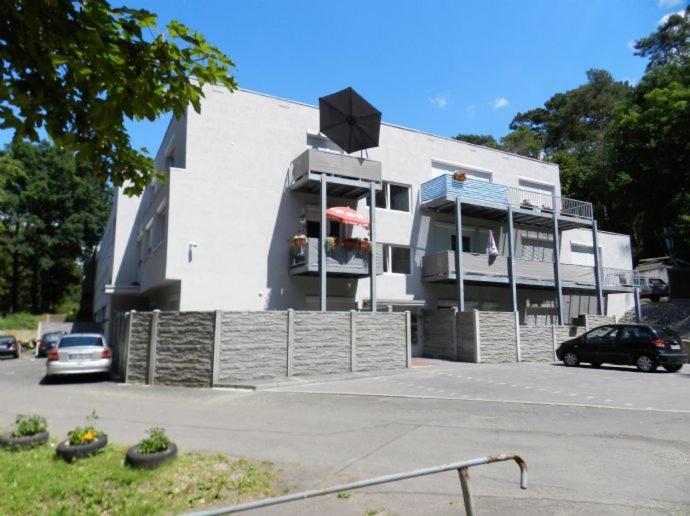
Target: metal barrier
(461,467)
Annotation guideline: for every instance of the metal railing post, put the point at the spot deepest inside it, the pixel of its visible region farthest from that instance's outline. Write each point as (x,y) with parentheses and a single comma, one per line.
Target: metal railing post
(464,475)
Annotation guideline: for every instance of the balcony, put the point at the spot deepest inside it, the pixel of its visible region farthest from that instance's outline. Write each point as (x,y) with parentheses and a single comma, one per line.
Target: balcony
(340,262)
(349,177)
(490,200)
(440,267)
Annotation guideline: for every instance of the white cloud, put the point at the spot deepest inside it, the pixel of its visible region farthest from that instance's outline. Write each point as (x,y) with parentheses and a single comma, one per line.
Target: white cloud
(500,102)
(438,100)
(471,110)
(665,17)
(667,4)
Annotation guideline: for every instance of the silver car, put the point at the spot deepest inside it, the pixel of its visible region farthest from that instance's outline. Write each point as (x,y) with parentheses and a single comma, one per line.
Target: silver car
(79,353)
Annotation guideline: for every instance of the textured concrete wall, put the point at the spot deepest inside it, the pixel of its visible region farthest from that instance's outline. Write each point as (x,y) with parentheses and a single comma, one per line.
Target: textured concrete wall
(184,348)
(253,345)
(497,337)
(322,343)
(564,333)
(592,321)
(438,335)
(138,354)
(536,343)
(381,341)
(467,345)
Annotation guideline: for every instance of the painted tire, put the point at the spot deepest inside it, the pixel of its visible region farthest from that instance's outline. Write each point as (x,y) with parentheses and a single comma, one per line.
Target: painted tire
(150,460)
(24,442)
(69,453)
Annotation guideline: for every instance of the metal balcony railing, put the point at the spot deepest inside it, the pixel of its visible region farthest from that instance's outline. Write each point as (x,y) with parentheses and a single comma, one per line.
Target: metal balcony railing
(445,186)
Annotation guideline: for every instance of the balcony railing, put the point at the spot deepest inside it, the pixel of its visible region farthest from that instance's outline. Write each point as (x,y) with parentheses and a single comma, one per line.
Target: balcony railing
(445,187)
(441,266)
(339,165)
(339,260)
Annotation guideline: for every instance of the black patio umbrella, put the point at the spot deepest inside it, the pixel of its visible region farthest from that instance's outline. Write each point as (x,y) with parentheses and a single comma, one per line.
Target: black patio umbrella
(349,120)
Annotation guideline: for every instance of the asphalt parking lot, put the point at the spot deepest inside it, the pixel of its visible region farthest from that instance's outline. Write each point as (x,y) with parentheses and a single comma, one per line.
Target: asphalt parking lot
(606,441)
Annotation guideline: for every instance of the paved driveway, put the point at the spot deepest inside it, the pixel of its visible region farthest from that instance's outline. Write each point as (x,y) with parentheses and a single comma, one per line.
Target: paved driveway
(586,455)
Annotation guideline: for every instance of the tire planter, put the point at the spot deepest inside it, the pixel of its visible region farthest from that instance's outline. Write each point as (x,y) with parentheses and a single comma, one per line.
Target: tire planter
(69,453)
(24,442)
(150,460)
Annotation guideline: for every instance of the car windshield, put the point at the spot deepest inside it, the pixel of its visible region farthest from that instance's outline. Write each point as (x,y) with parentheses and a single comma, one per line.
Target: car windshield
(4,339)
(666,333)
(52,337)
(82,340)
(657,282)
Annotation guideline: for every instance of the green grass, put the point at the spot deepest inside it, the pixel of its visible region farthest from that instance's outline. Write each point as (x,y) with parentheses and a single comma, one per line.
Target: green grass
(37,482)
(19,321)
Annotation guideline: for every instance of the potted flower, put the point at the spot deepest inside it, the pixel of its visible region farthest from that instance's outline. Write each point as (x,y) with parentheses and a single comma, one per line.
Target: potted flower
(82,441)
(152,451)
(27,432)
(365,244)
(330,243)
(527,204)
(458,175)
(299,240)
(350,243)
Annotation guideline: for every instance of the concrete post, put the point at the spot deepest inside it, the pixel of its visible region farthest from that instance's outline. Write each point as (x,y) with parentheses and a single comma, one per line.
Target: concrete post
(218,315)
(553,338)
(477,339)
(372,244)
(518,349)
(454,331)
(511,260)
(557,264)
(459,279)
(353,340)
(153,344)
(408,338)
(638,305)
(290,340)
(597,270)
(323,292)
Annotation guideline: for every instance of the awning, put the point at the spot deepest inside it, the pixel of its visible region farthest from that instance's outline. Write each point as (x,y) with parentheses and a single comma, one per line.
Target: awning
(347,216)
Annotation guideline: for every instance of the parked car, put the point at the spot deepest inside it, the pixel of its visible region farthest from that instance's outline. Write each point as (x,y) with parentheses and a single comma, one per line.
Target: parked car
(48,342)
(9,346)
(79,353)
(642,345)
(653,288)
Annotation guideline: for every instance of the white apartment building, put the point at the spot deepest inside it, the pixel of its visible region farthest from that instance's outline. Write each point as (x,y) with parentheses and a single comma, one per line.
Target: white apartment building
(243,178)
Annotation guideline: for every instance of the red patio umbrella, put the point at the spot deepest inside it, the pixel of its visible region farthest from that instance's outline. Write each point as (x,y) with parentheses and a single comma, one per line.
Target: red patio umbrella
(347,216)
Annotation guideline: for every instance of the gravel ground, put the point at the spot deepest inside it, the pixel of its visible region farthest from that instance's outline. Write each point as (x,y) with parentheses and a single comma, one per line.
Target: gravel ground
(674,313)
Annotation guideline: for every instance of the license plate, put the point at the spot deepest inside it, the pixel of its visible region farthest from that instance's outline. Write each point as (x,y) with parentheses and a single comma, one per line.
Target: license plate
(675,346)
(80,356)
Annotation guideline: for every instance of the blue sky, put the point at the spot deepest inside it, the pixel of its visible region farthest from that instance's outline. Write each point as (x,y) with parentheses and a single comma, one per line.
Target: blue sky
(440,66)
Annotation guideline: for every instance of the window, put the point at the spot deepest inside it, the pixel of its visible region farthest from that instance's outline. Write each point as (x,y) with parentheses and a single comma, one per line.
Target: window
(466,244)
(396,259)
(393,197)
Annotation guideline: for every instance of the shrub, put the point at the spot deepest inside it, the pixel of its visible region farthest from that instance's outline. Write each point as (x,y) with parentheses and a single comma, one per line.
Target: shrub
(28,425)
(156,442)
(85,434)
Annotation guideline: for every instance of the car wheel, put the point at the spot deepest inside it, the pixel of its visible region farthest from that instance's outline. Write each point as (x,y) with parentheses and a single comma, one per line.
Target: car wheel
(595,364)
(655,299)
(646,364)
(673,368)
(571,359)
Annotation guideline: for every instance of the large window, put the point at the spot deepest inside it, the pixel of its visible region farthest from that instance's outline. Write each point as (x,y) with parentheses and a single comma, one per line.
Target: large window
(393,197)
(396,259)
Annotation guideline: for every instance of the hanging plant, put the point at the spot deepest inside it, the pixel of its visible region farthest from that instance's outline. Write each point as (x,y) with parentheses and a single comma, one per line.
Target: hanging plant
(365,245)
(459,176)
(299,240)
(330,243)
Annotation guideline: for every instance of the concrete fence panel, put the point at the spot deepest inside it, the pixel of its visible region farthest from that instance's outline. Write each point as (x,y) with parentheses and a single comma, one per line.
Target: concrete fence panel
(321,343)
(253,345)
(466,337)
(497,336)
(438,334)
(184,348)
(381,340)
(536,343)
(138,353)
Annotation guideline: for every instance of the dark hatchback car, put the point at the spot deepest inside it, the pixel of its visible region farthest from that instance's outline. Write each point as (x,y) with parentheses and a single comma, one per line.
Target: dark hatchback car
(9,346)
(645,346)
(48,342)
